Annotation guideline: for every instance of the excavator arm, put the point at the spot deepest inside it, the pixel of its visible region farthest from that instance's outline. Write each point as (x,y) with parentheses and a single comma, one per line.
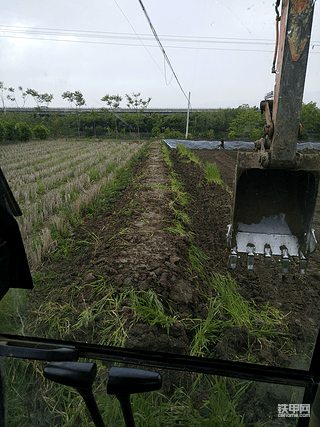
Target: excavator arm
(276,188)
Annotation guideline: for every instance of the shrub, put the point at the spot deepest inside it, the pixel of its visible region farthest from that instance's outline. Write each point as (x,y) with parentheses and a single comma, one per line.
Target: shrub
(41,132)
(310,119)
(25,131)
(213,173)
(210,134)
(167,133)
(88,133)
(12,131)
(100,130)
(246,121)
(155,131)
(256,134)
(232,134)
(2,130)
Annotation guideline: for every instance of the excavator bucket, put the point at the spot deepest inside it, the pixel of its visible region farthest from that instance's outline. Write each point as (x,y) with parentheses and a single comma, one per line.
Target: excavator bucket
(276,188)
(273,211)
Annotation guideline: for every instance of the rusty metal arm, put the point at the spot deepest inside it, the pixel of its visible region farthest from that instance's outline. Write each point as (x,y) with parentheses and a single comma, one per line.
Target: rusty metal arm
(295,31)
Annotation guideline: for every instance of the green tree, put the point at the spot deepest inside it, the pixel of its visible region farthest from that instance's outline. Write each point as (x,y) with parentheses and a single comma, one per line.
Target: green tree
(176,122)
(76,100)
(35,95)
(92,119)
(45,98)
(25,131)
(41,132)
(156,132)
(24,95)
(138,105)
(39,98)
(248,122)
(11,96)
(153,120)
(12,131)
(2,95)
(310,119)
(219,121)
(113,103)
(2,130)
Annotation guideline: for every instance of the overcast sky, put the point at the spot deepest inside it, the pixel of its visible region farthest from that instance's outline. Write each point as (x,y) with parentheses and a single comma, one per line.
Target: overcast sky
(220,50)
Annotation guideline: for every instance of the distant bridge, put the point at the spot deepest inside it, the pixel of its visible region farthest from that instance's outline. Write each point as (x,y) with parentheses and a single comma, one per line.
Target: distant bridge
(60,111)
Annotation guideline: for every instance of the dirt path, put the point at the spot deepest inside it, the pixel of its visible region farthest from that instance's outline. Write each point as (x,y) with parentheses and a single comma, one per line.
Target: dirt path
(144,256)
(129,247)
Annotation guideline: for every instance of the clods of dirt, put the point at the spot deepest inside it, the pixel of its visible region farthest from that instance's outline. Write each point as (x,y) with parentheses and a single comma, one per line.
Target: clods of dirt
(154,338)
(296,295)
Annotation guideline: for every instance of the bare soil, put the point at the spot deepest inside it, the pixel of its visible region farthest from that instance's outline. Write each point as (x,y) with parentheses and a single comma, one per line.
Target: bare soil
(134,249)
(294,294)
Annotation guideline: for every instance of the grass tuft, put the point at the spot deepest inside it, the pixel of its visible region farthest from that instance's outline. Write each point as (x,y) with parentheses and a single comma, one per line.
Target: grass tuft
(267,322)
(148,307)
(213,173)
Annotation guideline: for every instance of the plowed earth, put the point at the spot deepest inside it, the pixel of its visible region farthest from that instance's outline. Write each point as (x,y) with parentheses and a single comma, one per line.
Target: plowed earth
(294,294)
(133,249)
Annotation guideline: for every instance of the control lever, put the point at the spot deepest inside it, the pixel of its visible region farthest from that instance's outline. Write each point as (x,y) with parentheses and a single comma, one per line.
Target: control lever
(121,382)
(124,381)
(80,376)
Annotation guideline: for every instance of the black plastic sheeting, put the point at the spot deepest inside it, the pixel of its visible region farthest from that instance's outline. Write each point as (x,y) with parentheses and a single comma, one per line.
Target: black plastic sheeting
(229,145)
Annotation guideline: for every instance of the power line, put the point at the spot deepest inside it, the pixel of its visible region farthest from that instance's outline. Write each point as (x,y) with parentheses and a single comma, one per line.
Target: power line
(144,45)
(162,48)
(135,44)
(137,35)
(126,37)
(10,31)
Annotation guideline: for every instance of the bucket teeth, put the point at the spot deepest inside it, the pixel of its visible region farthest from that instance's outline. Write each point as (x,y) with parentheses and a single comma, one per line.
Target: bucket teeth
(233,259)
(285,260)
(302,264)
(267,258)
(250,260)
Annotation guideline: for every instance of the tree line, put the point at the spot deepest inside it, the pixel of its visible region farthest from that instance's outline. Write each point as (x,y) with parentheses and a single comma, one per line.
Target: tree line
(104,124)
(229,123)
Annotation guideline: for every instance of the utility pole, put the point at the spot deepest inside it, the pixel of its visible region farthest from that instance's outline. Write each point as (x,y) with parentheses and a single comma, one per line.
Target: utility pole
(187,128)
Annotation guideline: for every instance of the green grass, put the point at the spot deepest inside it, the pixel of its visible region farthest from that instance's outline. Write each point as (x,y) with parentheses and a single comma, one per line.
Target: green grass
(185,152)
(260,323)
(211,170)
(147,306)
(209,330)
(213,173)
(197,258)
(226,302)
(12,312)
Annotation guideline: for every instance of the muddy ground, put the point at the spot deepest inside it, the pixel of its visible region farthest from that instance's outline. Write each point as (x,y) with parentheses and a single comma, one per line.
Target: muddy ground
(294,294)
(133,249)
